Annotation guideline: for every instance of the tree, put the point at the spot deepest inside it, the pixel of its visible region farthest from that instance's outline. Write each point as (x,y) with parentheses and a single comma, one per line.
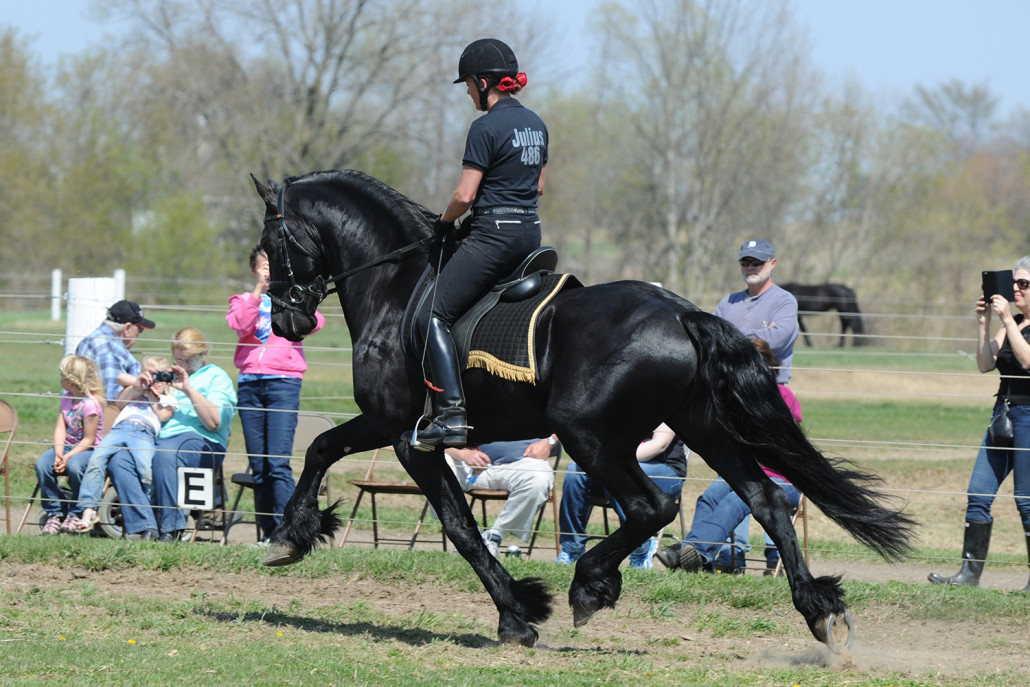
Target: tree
(716,94)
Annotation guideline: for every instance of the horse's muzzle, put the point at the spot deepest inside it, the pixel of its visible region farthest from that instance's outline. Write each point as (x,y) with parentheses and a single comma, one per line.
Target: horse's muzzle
(293,325)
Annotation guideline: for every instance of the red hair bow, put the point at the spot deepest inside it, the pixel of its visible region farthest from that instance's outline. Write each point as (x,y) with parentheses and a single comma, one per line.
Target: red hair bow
(510,84)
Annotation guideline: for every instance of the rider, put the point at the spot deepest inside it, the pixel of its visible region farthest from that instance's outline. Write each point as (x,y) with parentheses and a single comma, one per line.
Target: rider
(502,176)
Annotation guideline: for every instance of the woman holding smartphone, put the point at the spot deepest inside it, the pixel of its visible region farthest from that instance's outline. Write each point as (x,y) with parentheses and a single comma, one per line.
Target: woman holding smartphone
(1008,351)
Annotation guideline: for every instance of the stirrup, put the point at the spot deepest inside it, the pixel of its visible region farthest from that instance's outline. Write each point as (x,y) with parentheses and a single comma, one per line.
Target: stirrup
(451,436)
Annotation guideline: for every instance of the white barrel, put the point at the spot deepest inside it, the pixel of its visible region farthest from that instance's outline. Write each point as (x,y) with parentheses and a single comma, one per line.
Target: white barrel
(88,301)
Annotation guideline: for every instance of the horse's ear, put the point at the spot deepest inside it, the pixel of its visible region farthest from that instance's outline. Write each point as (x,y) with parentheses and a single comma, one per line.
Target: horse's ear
(267,193)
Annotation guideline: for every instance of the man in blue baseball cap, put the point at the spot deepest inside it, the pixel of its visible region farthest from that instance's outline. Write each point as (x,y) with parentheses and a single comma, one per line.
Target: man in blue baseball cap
(763,311)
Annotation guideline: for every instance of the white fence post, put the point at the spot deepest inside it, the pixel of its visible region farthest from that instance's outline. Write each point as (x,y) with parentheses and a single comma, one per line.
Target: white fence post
(119,280)
(55,295)
(88,301)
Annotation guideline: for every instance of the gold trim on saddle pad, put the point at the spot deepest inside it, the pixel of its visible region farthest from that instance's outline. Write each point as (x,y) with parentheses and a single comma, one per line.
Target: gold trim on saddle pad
(504,369)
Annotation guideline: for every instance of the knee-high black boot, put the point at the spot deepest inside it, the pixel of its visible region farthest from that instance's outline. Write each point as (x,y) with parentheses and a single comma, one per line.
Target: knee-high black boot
(974,552)
(450,426)
(1026,535)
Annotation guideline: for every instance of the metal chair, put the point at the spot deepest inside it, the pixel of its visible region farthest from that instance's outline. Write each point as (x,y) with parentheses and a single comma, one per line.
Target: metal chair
(371,486)
(601,501)
(484,495)
(8,426)
(309,426)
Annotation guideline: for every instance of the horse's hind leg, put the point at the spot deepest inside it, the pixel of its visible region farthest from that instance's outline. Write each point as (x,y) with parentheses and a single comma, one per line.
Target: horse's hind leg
(598,583)
(521,604)
(304,525)
(819,600)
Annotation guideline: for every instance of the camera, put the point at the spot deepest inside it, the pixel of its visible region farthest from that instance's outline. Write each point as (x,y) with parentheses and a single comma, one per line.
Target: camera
(164,376)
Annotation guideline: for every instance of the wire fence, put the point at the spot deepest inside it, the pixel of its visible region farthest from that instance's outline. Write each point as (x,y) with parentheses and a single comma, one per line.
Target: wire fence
(902,381)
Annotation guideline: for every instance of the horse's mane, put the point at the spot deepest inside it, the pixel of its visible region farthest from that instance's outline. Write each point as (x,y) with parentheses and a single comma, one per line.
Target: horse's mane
(384,196)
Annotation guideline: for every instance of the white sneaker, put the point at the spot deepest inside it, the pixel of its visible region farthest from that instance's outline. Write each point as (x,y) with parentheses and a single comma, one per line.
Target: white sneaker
(492,539)
(646,561)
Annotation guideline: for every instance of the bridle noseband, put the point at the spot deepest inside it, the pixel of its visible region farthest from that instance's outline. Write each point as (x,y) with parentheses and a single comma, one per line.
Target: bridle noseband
(317,289)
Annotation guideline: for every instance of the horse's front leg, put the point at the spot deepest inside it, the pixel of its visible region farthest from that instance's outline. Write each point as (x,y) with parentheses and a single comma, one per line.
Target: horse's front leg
(521,604)
(304,525)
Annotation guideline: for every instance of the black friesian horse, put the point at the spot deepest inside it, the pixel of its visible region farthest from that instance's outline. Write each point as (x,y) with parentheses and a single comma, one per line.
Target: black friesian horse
(613,360)
(817,298)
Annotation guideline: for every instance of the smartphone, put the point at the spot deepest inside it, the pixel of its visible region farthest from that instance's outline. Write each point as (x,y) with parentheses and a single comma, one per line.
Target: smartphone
(998,282)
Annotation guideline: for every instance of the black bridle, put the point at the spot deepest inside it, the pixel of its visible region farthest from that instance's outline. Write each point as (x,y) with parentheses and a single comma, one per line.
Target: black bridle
(317,289)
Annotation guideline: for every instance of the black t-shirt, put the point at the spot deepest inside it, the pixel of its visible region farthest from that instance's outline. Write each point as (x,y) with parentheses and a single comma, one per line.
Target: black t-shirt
(509,145)
(675,456)
(1017,388)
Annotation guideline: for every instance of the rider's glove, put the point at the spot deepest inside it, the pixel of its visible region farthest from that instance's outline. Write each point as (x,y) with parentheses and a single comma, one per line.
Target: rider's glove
(441,228)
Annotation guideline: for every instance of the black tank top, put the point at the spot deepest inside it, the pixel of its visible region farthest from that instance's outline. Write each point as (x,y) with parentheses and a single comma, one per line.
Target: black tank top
(1015,381)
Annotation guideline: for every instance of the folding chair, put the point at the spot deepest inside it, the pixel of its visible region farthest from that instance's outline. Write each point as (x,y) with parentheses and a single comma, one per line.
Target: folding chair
(309,426)
(601,501)
(8,426)
(484,495)
(373,487)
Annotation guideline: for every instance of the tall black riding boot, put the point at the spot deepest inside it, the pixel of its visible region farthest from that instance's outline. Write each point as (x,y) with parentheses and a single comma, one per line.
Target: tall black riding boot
(1026,535)
(974,552)
(450,426)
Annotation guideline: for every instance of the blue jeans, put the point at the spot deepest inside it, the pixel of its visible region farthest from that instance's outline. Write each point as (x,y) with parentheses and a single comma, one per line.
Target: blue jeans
(993,465)
(268,429)
(137,438)
(719,511)
(188,450)
(51,498)
(577,491)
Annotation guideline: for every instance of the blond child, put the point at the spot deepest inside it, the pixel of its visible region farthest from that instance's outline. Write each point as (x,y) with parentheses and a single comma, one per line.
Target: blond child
(143,407)
(80,424)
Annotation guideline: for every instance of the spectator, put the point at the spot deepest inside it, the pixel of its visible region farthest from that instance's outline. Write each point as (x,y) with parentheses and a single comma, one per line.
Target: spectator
(1008,351)
(268,387)
(518,467)
(196,435)
(662,457)
(80,422)
(763,309)
(108,346)
(719,510)
(143,410)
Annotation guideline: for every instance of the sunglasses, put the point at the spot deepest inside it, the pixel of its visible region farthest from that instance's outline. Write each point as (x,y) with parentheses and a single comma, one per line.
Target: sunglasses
(1023,284)
(751,262)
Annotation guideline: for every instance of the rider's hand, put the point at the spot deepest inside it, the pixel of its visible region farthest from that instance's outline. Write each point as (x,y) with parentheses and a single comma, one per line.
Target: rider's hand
(441,228)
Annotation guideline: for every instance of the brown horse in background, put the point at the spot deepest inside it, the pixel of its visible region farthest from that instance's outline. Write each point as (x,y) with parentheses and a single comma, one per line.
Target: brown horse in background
(818,298)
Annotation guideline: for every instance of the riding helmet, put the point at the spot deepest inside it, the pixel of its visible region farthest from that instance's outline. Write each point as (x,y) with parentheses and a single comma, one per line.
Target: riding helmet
(486,56)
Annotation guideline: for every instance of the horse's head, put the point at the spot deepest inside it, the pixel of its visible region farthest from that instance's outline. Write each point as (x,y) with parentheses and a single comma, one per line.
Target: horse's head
(296,284)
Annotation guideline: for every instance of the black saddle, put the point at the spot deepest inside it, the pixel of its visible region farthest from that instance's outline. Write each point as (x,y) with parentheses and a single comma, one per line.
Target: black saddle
(523,283)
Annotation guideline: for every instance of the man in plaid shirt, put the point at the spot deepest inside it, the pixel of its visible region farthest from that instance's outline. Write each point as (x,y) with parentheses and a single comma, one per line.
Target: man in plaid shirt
(108,345)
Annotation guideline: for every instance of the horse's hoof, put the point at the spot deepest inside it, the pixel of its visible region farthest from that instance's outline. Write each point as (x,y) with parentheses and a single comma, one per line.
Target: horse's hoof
(581,615)
(835,635)
(280,554)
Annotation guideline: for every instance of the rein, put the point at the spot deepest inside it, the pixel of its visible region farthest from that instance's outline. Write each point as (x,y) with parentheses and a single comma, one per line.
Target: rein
(318,288)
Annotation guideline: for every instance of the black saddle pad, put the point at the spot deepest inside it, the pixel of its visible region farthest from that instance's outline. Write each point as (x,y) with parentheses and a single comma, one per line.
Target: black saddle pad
(502,340)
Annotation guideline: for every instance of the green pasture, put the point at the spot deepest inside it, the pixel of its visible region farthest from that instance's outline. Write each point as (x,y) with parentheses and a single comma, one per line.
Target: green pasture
(79,636)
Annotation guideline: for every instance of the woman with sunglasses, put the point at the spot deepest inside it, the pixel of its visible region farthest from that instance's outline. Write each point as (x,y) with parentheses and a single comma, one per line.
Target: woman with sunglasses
(1008,351)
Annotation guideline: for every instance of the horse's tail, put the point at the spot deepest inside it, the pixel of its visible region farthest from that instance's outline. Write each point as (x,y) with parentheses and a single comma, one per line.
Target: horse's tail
(747,406)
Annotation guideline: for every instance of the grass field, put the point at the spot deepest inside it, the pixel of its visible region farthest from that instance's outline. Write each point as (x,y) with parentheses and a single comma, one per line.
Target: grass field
(93,631)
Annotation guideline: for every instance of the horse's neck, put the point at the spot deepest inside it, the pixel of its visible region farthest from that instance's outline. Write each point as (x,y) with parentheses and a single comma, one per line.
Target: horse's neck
(374,299)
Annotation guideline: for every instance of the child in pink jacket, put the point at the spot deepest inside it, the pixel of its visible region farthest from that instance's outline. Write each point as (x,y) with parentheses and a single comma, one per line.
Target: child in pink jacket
(268,395)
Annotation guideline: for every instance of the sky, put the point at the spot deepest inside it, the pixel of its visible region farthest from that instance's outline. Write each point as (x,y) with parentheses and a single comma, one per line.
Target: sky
(889,46)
